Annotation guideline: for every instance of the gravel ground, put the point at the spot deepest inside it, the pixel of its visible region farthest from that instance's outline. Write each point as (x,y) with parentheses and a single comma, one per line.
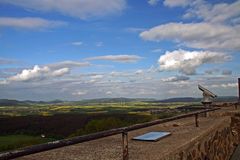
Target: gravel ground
(109,148)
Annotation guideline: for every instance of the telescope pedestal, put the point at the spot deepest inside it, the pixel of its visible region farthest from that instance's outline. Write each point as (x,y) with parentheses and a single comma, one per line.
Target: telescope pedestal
(206,105)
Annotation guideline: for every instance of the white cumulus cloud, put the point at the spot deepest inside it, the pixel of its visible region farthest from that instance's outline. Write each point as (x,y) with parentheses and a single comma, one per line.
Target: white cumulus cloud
(188,61)
(197,35)
(38,73)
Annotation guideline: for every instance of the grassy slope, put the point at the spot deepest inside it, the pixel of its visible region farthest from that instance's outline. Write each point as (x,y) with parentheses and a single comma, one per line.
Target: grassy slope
(17,141)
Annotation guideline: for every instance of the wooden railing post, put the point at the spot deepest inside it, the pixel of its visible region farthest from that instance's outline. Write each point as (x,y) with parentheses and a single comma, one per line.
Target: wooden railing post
(125,145)
(236,105)
(196,120)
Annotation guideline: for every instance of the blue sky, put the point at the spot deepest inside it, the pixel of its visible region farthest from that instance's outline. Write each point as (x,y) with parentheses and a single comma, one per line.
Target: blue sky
(71,50)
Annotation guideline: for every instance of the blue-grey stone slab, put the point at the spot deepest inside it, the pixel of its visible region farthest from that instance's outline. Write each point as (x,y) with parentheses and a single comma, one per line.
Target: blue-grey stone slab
(152,136)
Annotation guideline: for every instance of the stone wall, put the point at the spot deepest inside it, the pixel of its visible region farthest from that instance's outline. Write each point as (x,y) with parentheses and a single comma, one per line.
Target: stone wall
(235,126)
(218,144)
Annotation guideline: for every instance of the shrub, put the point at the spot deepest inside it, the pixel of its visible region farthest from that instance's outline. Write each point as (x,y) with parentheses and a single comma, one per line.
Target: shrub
(97,125)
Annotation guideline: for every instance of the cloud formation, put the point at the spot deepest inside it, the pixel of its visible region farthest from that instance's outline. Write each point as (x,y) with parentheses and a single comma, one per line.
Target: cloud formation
(197,35)
(79,93)
(225,85)
(218,29)
(187,62)
(4,61)
(77,43)
(73,87)
(139,72)
(38,73)
(117,58)
(157,50)
(108,92)
(76,8)
(68,64)
(176,3)
(135,29)
(226,72)
(217,13)
(175,79)
(99,44)
(29,22)
(96,78)
(213,13)
(153,2)
(212,71)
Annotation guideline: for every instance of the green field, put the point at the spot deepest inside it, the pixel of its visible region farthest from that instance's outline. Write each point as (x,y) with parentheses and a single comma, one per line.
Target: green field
(89,108)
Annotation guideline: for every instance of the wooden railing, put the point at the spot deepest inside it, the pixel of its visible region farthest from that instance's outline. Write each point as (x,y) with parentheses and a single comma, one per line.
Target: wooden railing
(124,131)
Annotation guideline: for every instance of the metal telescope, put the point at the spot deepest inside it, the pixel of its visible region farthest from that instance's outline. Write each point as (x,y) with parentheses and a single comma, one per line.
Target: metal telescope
(207,96)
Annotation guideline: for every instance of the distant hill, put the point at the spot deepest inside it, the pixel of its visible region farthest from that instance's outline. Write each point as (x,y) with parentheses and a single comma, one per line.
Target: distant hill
(180,99)
(112,100)
(8,102)
(191,99)
(227,99)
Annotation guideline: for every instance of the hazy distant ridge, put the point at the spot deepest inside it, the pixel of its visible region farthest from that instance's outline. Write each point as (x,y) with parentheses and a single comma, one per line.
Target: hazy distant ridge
(8,102)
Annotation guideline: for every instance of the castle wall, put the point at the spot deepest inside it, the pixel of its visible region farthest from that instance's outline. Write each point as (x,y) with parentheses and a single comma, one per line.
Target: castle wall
(218,144)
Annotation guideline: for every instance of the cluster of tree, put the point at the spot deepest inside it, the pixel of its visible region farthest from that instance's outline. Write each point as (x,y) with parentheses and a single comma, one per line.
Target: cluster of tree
(63,125)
